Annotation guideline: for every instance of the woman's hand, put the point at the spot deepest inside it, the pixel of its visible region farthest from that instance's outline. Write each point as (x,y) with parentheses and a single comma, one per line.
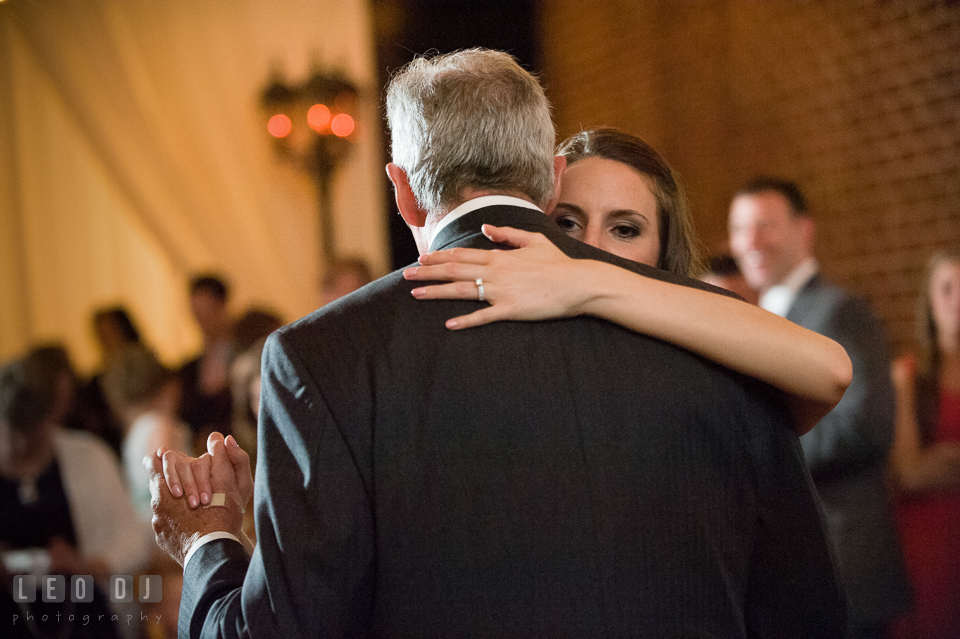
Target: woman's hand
(535,282)
(190,476)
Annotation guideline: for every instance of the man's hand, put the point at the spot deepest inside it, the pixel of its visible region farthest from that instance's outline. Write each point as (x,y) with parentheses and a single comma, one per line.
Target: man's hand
(178,525)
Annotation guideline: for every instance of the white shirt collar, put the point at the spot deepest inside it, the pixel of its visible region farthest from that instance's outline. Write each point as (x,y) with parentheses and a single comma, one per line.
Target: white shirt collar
(779,298)
(478,203)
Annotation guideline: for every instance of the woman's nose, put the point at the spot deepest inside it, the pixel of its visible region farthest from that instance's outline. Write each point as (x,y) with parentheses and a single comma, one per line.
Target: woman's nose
(591,236)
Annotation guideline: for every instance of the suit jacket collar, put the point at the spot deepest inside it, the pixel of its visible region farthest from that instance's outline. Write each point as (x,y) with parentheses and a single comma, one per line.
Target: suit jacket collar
(478,203)
(468,226)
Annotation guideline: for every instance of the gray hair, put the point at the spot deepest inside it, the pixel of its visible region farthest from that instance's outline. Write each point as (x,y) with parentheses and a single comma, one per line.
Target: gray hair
(470,119)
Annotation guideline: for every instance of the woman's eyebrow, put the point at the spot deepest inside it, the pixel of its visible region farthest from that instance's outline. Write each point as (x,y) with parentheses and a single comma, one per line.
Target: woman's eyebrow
(572,208)
(620,213)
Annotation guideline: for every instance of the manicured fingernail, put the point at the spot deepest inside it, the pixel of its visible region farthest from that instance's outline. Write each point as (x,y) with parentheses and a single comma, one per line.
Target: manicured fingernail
(418,292)
(452,323)
(192,501)
(204,498)
(231,442)
(177,491)
(410,272)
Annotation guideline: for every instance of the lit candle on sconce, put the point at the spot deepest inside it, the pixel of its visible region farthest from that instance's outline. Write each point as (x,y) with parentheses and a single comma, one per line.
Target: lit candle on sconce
(313,125)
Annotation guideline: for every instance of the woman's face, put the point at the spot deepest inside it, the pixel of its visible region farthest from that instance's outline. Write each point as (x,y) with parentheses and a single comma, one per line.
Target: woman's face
(23,449)
(611,206)
(945,297)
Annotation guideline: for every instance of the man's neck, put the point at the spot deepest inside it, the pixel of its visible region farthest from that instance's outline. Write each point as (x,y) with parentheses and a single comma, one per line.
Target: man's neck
(475,200)
(779,297)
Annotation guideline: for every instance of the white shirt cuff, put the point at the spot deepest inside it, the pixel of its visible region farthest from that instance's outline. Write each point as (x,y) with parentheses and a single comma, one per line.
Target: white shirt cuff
(206,538)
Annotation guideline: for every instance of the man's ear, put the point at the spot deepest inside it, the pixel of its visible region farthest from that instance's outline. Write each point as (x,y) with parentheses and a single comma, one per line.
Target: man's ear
(559,166)
(410,209)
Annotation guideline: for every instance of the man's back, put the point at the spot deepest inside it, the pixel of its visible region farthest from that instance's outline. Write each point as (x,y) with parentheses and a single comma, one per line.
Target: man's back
(567,478)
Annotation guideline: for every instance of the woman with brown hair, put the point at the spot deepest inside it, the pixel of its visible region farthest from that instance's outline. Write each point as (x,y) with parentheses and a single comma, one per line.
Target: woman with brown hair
(925,459)
(618,194)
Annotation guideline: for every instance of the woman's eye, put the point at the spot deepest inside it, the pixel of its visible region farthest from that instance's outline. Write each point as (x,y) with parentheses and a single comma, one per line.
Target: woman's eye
(567,224)
(625,231)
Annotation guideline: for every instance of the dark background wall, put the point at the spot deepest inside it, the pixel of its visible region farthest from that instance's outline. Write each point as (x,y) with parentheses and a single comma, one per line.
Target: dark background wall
(857,101)
(407,28)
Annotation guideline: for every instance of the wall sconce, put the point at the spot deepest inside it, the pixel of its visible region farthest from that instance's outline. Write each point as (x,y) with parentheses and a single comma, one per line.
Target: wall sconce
(313,125)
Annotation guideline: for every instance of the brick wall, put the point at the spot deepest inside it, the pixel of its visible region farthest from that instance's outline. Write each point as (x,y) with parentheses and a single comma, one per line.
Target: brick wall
(857,101)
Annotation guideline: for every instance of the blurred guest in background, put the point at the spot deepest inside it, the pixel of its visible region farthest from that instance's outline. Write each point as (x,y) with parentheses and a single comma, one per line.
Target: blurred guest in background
(245,381)
(772,237)
(250,333)
(207,405)
(253,325)
(722,271)
(926,454)
(145,395)
(62,500)
(114,330)
(343,276)
(49,365)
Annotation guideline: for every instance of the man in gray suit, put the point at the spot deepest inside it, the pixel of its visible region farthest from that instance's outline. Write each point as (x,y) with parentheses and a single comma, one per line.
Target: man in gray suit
(772,237)
(554,479)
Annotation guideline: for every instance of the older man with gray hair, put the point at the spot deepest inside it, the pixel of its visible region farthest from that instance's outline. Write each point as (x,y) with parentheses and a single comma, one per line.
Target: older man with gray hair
(554,479)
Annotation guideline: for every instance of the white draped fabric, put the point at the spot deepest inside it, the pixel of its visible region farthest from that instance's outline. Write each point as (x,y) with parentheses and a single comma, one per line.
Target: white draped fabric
(133,154)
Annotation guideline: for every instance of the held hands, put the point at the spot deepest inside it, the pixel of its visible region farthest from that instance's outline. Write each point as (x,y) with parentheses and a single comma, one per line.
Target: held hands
(535,282)
(179,484)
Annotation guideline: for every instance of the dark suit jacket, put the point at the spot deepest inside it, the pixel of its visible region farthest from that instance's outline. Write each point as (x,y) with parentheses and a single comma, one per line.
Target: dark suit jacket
(847,454)
(555,479)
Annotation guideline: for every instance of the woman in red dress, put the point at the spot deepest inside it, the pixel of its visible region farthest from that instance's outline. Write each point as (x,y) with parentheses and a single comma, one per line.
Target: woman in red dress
(926,455)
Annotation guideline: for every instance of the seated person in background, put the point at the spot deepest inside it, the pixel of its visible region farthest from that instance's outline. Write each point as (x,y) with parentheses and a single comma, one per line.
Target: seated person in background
(76,406)
(343,276)
(205,381)
(722,271)
(62,499)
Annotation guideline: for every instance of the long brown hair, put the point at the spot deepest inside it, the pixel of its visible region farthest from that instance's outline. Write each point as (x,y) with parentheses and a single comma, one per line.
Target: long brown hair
(679,250)
(928,355)
(927,383)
